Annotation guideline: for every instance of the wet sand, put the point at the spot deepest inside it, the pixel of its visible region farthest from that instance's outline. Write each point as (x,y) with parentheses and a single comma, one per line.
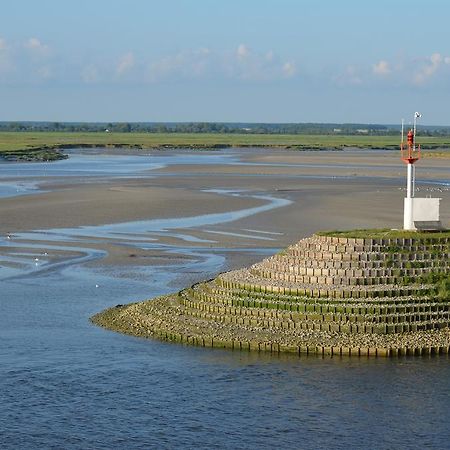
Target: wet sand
(327,190)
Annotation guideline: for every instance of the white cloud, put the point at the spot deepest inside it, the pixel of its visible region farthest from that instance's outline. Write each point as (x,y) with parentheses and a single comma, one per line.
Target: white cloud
(429,68)
(188,64)
(89,74)
(37,48)
(125,64)
(33,60)
(399,71)
(167,66)
(350,76)
(242,51)
(242,63)
(248,65)
(381,68)
(204,51)
(29,61)
(289,69)
(270,55)
(353,76)
(436,59)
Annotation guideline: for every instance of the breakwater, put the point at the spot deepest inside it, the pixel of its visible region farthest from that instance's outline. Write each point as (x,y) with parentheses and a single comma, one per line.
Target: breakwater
(384,294)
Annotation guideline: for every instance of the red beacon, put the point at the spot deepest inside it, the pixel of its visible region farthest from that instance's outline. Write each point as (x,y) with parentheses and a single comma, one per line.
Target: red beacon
(409,151)
(410,154)
(419,212)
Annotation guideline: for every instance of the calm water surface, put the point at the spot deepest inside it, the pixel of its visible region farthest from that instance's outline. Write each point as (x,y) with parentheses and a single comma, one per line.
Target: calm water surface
(67,384)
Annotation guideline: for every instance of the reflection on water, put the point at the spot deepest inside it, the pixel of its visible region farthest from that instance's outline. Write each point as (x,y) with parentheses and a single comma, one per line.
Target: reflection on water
(92,165)
(134,230)
(144,234)
(67,384)
(14,189)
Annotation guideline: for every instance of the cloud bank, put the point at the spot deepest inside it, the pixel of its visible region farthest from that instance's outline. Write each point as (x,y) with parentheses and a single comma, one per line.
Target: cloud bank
(33,61)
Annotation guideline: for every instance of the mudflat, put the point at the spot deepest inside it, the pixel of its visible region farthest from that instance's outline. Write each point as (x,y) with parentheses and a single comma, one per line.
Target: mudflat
(323,190)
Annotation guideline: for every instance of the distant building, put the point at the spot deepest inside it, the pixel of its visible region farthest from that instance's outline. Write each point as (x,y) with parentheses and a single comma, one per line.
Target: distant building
(337,130)
(362,130)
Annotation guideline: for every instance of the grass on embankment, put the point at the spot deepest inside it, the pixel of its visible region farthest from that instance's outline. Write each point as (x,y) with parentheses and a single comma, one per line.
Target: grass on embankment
(441,281)
(385,233)
(44,145)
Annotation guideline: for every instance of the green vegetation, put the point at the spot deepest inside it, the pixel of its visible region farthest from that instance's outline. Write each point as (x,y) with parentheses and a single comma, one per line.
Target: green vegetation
(41,145)
(223,127)
(443,288)
(315,297)
(441,283)
(385,233)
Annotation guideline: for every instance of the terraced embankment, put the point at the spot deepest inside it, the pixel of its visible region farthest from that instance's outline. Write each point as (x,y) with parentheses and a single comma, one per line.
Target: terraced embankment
(327,294)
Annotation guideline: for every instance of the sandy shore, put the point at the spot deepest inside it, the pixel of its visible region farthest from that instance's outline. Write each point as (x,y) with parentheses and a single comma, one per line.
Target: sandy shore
(328,190)
(195,220)
(109,202)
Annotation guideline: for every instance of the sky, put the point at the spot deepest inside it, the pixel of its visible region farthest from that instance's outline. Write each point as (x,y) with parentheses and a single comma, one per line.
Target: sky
(225,60)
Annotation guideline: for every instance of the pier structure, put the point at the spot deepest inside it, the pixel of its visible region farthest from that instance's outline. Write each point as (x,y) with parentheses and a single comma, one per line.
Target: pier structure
(385,294)
(347,293)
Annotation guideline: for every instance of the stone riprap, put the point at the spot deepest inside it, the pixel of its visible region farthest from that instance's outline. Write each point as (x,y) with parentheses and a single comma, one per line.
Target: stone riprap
(324,295)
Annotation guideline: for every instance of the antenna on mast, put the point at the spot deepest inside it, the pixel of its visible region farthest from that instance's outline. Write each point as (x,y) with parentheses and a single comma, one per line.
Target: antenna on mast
(416,116)
(410,154)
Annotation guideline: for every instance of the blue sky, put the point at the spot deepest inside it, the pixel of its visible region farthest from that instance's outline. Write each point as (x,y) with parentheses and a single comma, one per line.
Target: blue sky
(225,60)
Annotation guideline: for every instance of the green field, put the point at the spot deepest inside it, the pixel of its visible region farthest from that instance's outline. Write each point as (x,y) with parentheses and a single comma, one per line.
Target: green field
(385,234)
(44,145)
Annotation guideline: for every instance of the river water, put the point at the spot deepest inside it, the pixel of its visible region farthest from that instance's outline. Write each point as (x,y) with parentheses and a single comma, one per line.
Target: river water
(65,383)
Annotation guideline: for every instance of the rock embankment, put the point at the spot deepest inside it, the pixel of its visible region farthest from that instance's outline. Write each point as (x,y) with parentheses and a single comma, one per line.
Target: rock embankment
(323,295)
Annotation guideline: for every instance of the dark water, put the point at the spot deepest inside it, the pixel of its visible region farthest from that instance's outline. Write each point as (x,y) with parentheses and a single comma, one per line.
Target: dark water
(67,384)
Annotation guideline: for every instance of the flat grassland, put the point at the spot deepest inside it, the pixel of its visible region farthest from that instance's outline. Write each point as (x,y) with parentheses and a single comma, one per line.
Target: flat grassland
(385,233)
(46,145)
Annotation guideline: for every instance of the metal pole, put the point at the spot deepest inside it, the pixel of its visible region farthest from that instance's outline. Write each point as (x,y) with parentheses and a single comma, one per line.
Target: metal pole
(409,181)
(415,125)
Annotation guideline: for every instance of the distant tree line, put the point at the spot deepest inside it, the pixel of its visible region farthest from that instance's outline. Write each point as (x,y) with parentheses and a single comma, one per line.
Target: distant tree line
(218,127)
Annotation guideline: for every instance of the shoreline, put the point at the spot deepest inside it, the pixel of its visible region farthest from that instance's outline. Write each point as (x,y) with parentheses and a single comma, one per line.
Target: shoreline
(184,188)
(374,304)
(33,151)
(54,153)
(350,189)
(133,320)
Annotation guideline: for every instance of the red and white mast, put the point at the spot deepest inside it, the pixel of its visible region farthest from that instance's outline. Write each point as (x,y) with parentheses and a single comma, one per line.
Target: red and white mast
(410,154)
